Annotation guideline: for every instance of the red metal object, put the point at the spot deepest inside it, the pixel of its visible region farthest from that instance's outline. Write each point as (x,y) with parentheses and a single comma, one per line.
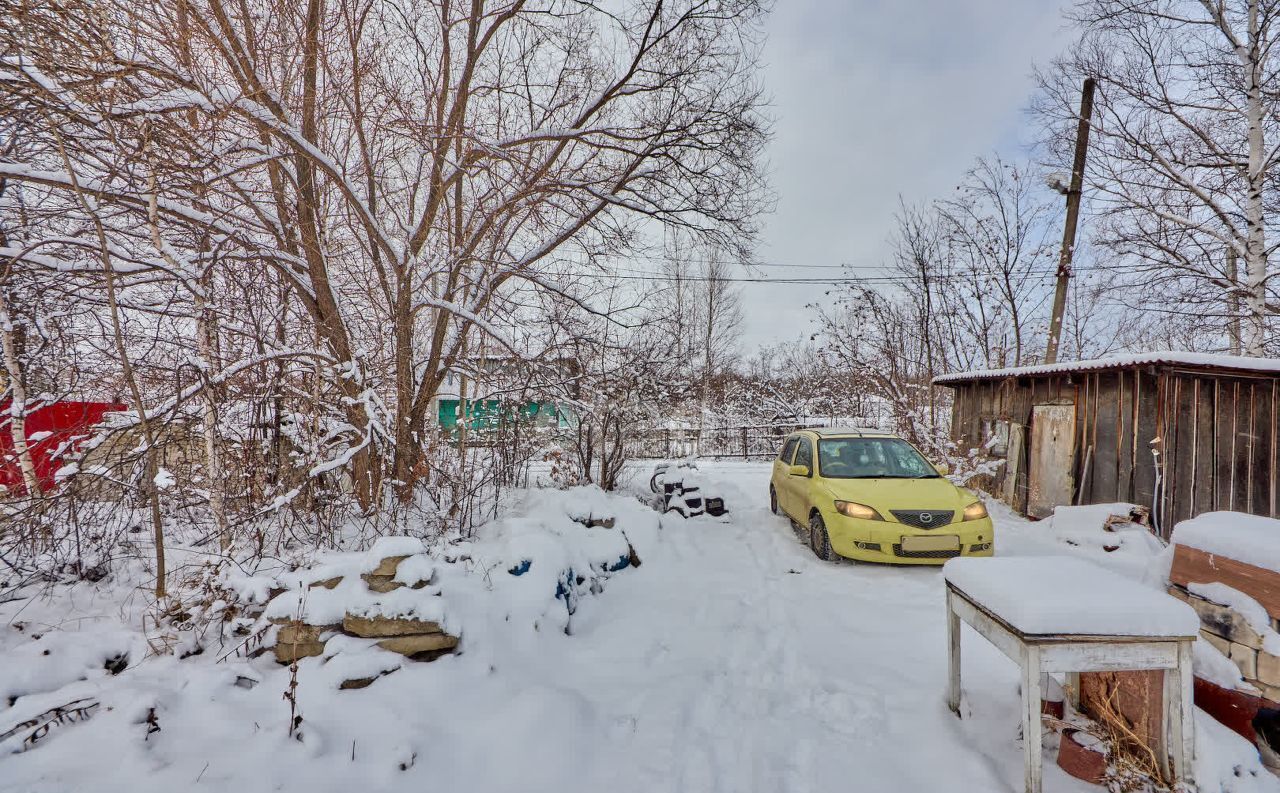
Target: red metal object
(1080,761)
(52,431)
(1235,710)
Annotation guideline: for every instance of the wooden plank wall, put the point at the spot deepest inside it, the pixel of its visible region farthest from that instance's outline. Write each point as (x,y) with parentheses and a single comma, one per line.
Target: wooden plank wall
(1223,453)
(1216,435)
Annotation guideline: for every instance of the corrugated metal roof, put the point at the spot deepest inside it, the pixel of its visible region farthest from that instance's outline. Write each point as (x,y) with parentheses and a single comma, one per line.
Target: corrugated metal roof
(1124,361)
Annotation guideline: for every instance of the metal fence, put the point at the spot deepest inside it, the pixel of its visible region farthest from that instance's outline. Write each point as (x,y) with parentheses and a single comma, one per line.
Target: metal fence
(755,441)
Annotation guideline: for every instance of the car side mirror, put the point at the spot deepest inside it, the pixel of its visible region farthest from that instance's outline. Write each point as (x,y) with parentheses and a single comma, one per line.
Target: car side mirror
(943,469)
(799,470)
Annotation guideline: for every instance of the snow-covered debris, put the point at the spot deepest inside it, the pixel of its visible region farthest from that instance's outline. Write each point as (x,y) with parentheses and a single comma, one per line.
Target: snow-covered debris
(528,568)
(1105,528)
(1246,538)
(52,660)
(1041,595)
(551,558)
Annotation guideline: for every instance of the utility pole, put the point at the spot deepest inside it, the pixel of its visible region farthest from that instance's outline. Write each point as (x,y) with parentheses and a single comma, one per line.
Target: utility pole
(1073,216)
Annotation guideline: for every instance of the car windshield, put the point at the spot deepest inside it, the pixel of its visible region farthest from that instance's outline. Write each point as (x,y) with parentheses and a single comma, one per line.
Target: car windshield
(872,458)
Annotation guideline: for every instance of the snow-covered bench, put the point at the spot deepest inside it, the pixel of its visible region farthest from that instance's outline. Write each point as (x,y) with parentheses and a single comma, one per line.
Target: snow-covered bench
(1059,614)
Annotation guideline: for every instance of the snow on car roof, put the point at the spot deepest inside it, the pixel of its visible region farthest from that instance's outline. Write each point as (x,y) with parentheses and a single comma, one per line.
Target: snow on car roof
(1120,361)
(840,432)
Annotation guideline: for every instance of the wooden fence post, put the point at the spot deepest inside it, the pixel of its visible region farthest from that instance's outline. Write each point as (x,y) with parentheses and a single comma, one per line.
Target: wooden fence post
(744,443)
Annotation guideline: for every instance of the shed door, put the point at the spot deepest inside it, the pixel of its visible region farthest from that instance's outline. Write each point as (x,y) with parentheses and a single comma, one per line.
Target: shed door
(1052,454)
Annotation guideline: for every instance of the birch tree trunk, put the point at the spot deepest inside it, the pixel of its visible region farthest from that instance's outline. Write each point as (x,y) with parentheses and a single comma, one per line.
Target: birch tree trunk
(17,401)
(1256,243)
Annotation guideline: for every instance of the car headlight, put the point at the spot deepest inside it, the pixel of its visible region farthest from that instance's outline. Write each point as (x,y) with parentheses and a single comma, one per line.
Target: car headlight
(975,511)
(852,509)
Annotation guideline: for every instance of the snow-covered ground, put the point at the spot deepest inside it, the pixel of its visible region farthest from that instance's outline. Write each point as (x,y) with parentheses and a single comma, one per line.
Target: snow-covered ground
(731,660)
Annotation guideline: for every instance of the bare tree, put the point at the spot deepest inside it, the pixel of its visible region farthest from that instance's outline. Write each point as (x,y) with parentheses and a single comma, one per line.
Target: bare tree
(999,231)
(344,195)
(1184,149)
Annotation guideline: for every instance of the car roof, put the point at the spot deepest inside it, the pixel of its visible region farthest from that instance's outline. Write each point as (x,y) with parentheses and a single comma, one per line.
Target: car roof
(849,432)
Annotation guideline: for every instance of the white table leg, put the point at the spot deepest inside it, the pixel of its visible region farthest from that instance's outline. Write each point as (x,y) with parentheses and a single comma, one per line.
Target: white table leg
(1073,690)
(953,656)
(1182,716)
(1031,729)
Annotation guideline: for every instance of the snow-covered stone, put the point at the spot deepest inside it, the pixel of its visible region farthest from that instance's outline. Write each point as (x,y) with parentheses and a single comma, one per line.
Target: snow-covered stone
(381,627)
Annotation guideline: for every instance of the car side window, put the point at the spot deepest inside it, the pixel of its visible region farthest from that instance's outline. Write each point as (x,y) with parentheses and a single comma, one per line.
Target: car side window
(788,450)
(804,454)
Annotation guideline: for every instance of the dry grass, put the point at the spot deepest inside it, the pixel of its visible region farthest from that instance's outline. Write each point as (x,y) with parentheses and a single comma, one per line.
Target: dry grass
(1134,764)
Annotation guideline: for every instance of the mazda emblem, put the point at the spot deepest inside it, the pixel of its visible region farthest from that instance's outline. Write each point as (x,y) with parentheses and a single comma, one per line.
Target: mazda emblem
(926,517)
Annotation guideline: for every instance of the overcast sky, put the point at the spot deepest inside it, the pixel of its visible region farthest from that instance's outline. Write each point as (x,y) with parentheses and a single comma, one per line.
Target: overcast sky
(874,99)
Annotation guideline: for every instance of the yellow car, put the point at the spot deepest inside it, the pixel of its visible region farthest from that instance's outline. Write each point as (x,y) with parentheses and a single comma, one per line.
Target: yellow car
(872,496)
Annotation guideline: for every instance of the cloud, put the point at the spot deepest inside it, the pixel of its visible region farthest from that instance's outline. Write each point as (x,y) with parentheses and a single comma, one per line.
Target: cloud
(873,100)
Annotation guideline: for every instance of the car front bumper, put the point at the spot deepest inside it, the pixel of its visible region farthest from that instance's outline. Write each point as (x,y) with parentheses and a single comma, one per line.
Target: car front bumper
(881,540)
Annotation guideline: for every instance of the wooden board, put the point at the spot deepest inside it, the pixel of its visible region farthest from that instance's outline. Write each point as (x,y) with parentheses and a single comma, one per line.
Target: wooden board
(1224,436)
(1052,456)
(1192,565)
(1106,440)
(1260,475)
(1126,431)
(1180,474)
(1202,479)
(1145,428)
(1242,465)
(1138,695)
(1012,459)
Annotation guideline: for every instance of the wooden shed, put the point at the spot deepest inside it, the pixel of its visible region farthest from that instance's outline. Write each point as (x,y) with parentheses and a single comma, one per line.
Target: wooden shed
(1182,433)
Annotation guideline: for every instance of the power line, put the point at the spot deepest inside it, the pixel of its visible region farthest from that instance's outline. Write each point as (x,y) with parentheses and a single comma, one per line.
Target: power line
(631,275)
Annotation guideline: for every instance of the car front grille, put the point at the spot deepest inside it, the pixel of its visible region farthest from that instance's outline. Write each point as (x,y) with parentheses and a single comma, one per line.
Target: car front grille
(917,517)
(897,551)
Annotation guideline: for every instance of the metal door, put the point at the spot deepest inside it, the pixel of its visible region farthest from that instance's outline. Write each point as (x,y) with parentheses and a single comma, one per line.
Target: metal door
(1052,454)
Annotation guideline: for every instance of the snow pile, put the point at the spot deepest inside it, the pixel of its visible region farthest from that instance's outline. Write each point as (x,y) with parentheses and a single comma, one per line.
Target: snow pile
(527,568)
(1208,663)
(546,554)
(1097,529)
(1100,533)
(1043,595)
(54,659)
(1235,535)
(1226,762)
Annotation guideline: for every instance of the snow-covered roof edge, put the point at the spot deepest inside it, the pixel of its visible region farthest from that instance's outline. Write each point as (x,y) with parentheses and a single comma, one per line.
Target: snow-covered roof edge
(1121,361)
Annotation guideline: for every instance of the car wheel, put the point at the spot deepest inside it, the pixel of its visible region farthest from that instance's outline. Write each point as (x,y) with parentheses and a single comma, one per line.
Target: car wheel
(820,540)
(773,500)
